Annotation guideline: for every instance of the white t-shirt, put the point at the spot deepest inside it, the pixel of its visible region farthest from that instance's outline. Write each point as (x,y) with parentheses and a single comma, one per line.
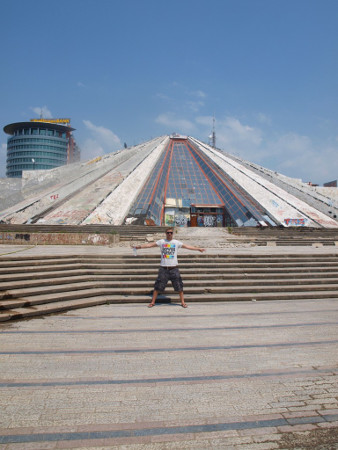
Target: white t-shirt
(169,251)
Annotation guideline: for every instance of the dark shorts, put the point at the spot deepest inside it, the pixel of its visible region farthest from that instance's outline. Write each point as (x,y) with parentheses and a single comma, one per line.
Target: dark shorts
(164,275)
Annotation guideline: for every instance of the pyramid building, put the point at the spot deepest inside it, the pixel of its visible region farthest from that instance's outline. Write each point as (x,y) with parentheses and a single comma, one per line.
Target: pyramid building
(171,180)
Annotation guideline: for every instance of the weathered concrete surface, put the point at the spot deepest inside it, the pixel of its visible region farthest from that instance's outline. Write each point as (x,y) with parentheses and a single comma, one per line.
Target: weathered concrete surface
(102,190)
(116,206)
(13,238)
(325,199)
(73,187)
(279,203)
(10,192)
(252,375)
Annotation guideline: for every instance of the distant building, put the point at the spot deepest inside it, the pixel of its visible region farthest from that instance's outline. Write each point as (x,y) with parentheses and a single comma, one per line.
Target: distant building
(331,184)
(39,145)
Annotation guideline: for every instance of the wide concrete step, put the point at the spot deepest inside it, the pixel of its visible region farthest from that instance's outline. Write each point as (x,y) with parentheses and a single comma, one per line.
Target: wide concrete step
(30,297)
(185,265)
(12,277)
(303,231)
(281,242)
(27,288)
(144,254)
(118,259)
(8,282)
(67,305)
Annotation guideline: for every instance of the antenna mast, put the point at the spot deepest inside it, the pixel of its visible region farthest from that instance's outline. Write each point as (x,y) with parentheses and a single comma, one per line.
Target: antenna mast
(213,134)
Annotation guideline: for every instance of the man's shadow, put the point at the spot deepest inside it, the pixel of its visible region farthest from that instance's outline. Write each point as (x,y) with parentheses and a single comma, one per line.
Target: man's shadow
(162,299)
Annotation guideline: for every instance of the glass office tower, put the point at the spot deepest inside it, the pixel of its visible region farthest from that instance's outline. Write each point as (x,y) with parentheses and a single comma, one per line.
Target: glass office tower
(37,145)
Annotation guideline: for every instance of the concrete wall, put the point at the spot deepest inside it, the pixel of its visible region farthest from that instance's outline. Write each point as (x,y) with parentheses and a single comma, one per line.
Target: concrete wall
(58,238)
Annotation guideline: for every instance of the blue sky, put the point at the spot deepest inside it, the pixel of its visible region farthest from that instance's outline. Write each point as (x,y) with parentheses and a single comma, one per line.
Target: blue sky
(127,71)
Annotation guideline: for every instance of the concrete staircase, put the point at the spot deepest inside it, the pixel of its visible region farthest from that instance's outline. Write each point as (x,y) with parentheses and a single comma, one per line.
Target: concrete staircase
(302,236)
(33,286)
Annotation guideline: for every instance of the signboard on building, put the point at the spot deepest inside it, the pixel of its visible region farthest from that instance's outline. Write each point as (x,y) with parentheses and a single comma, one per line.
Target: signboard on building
(60,121)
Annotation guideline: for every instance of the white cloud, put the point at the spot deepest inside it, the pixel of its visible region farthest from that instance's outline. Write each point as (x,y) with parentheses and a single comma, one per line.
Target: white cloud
(101,141)
(181,98)
(182,103)
(198,93)
(291,143)
(42,111)
(239,132)
(263,119)
(175,124)
(235,137)
(195,106)
(80,84)
(90,149)
(163,96)
(204,120)
(103,134)
(291,154)
(297,156)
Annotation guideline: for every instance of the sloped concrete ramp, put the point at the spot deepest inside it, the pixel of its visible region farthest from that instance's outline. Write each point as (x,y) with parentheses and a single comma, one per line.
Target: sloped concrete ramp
(102,191)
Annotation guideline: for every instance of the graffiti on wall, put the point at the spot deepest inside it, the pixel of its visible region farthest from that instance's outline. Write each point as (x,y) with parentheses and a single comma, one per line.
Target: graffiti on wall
(209,221)
(176,217)
(169,219)
(25,237)
(295,222)
(181,220)
(206,221)
(10,237)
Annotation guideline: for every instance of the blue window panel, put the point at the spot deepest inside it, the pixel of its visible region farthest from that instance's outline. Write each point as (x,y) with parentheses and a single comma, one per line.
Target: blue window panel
(239,204)
(187,180)
(184,172)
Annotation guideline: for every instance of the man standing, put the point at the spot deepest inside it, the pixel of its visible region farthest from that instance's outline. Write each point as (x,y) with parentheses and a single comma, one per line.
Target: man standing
(169,265)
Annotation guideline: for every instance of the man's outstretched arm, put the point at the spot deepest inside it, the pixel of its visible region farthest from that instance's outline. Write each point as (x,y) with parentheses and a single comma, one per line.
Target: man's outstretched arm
(191,247)
(150,245)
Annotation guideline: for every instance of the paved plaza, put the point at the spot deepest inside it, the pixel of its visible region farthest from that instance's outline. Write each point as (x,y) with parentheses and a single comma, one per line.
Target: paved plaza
(245,375)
